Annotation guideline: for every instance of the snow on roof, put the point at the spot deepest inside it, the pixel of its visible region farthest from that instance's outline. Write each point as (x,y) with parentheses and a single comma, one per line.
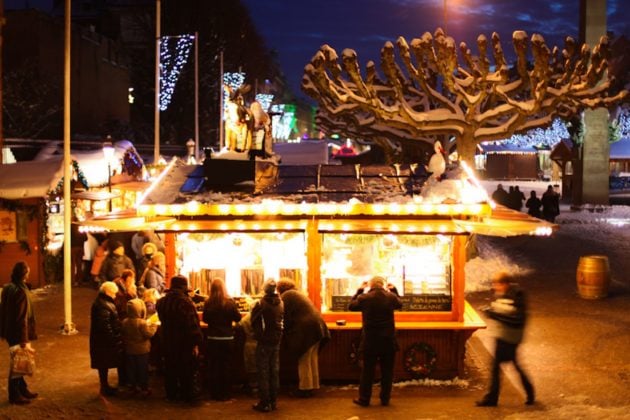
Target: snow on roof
(620,149)
(30,179)
(505,148)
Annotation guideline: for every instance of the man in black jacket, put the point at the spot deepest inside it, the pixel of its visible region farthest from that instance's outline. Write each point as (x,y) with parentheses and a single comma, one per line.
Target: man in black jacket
(181,338)
(509,312)
(378,337)
(267,323)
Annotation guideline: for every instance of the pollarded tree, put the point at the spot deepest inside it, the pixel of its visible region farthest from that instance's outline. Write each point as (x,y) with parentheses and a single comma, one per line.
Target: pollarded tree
(429,92)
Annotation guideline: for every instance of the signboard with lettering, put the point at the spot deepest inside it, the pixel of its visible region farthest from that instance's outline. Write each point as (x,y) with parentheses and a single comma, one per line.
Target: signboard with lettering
(426,303)
(340,303)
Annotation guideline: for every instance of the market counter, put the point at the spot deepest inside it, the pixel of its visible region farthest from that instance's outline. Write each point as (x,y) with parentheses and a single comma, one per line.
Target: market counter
(427,348)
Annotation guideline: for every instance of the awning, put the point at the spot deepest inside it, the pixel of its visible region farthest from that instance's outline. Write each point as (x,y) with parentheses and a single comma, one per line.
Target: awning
(126,223)
(505,222)
(94,195)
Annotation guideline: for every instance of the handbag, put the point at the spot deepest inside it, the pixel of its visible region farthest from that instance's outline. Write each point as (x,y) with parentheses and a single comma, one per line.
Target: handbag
(22,361)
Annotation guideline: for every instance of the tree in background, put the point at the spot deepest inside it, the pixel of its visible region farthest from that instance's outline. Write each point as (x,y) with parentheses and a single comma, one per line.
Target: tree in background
(468,99)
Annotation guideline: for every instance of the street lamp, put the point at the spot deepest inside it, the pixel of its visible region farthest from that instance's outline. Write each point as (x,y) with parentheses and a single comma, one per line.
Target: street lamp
(108,153)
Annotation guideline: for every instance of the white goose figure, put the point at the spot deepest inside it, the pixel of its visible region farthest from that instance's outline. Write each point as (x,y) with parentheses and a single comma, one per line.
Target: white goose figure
(437,163)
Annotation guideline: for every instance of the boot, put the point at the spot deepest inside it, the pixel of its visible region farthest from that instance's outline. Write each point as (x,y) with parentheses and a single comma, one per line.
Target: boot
(15,397)
(24,390)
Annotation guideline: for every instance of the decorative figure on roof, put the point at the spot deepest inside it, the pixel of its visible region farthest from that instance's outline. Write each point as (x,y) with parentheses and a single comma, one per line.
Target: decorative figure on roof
(239,120)
(437,163)
(429,90)
(261,137)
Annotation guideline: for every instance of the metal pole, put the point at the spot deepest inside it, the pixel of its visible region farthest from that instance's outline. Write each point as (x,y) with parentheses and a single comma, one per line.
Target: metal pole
(221,135)
(156,126)
(68,325)
(445,20)
(2,22)
(197,96)
(109,184)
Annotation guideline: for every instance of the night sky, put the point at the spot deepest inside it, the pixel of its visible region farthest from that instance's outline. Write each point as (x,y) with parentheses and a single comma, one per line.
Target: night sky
(297,28)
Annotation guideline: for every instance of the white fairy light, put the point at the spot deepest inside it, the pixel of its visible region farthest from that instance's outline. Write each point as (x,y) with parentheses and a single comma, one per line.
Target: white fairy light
(234,80)
(265,100)
(171,65)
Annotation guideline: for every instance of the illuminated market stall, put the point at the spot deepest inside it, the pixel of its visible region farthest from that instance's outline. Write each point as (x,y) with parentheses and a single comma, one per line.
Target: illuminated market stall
(330,228)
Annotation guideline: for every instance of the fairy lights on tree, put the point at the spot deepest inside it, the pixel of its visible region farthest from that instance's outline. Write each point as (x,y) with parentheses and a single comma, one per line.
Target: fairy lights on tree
(233,80)
(174,53)
(265,100)
(541,137)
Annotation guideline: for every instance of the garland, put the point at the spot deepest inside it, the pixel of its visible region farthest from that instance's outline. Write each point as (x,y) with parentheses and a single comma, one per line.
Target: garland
(420,360)
(80,177)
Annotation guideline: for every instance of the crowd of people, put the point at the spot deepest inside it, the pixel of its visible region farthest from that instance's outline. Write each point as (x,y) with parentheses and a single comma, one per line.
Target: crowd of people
(546,207)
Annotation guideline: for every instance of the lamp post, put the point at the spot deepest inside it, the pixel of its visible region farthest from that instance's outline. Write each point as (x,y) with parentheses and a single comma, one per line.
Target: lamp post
(108,153)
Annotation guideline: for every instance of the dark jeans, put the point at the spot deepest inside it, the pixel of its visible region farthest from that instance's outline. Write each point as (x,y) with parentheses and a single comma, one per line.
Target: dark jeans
(179,371)
(268,366)
(102,377)
(506,352)
(218,357)
(138,370)
(386,362)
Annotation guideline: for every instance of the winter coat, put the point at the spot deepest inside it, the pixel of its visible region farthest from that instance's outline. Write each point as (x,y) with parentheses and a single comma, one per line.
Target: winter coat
(510,312)
(154,279)
(550,205)
(114,265)
(533,204)
(377,310)
(220,318)
(267,320)
(181,330)
(106,344)
(136,331)
(16,324)
(303,324)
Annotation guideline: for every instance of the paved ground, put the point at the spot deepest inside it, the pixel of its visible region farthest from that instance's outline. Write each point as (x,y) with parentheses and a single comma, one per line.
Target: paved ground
(577,351)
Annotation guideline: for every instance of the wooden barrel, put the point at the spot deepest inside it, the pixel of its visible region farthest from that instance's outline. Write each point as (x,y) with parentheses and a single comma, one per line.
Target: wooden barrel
(593,276)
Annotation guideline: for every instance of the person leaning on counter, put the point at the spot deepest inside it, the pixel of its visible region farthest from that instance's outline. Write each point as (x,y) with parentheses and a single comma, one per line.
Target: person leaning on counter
(378,336)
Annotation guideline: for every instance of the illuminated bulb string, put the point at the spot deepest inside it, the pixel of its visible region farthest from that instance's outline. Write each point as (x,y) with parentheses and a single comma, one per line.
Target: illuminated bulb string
(172,61)
(233,80)
(265,100)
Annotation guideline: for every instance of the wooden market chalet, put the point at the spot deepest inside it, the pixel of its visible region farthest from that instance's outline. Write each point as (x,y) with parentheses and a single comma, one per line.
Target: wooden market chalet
(330,228)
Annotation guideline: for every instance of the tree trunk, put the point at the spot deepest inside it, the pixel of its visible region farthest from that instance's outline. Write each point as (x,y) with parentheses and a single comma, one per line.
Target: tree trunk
(466,148)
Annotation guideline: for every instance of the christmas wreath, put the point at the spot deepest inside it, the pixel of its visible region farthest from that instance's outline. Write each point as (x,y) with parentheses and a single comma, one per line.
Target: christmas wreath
(420,360)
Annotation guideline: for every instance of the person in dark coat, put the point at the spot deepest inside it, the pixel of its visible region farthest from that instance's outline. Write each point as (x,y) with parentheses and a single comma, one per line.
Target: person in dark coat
(181,338)
(304,332)
(267,323)
(220,313)
(17,326)
(509,312)
(533,205)
(378,336)
(550,204)
(500,196)
(106,345)
(115,262)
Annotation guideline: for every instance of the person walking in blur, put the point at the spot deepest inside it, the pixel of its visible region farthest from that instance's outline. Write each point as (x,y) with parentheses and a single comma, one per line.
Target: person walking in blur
(137,333)
(378,336)
(106,346)
(17,327)
(533,205)
(181,337)
(304,332)
(510,313)
(550,204)
(220,313)
(267,323)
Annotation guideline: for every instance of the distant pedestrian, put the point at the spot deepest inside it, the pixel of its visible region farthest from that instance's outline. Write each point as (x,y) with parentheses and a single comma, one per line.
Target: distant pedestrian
(220,313)
(510,313)
(533,205)
(106,346)
(181,338)
(17,327)
(519,198)
(550,204)
(137,333)
(267,323)
(378,336)
(500,196)
(304,332)
(115,262)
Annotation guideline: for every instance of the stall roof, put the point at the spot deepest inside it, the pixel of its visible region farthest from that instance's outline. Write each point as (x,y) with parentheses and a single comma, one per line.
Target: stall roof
(30,179)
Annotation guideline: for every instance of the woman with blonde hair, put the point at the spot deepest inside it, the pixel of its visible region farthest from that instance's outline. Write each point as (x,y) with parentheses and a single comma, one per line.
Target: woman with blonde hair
(219,312)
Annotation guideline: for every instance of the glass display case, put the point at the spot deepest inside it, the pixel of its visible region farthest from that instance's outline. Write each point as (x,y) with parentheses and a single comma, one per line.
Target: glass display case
(418,265)
(244,260)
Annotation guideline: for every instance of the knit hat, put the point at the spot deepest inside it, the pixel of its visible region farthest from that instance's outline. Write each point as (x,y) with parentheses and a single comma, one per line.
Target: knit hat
(269,287)
(149,249)
(179,283)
